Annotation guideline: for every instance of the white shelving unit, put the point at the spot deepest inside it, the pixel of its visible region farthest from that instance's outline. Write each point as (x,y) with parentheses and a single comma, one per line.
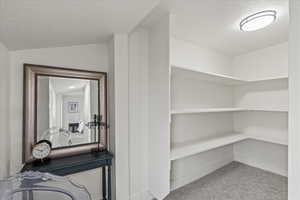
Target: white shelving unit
(217,118)
(190,148)
(232,81)
(208,76)
(267,110)
(270,140)
(218,110)
(219,78)
(186,149)
(206,110)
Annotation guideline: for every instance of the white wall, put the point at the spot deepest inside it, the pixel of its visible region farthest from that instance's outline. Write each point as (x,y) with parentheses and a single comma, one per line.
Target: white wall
(294,99)
(119,113)
(190,128)
(159,108)
(269,62)
(121,116)
(189,55)
(189,169)
(188,91)
(263,155)
(272,95)
(268,125)
(138,114)
(88,57)
(111,113)
(111,106)
(4,91)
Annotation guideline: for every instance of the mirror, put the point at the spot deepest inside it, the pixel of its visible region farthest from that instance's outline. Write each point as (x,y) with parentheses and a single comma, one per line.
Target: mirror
(66,107)
(65,110)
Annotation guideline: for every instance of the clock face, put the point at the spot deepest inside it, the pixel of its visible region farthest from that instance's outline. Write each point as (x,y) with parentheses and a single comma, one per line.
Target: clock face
(41,150)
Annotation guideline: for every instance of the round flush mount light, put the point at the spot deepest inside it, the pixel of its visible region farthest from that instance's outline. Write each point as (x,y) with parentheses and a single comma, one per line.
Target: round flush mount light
(258,20)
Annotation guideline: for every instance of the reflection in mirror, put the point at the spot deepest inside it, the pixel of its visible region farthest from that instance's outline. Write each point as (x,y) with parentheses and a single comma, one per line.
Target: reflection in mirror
(67,109)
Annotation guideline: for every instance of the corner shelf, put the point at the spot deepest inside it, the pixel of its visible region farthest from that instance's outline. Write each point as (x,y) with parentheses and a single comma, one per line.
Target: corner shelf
(218,110)
(186,149)
(224,79)
(205,110)
(268,79)
(268,110)
(214,77)
(269,140)
(191,148)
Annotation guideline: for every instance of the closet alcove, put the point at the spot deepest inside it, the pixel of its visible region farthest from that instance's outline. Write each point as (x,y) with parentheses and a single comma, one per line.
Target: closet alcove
(227,109)
(215,98)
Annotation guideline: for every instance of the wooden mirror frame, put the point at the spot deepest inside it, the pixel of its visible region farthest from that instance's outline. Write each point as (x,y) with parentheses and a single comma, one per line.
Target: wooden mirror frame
(31,73)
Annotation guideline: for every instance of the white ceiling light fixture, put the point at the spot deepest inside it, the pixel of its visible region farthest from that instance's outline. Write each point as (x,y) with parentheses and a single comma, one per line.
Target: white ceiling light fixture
(258,20)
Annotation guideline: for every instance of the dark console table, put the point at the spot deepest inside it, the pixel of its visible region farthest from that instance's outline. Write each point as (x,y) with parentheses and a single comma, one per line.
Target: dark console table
(79,163)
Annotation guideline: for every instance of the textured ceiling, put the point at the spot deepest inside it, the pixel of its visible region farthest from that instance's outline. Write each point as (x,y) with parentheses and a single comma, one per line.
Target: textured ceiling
(215,23)
(26,24)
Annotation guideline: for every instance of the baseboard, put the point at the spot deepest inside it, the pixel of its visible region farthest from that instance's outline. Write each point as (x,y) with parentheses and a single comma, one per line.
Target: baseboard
(207,169)
(269,168)
(145,195)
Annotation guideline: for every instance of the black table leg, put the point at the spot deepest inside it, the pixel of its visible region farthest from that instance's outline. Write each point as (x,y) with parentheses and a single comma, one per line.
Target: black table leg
(27,195)
(109,183)
(104,183)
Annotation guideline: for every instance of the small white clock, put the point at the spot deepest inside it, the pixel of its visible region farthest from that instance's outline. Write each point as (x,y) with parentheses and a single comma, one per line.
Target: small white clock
(41,150)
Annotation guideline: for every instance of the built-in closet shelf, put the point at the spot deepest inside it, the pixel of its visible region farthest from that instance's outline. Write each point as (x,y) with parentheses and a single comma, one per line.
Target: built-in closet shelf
(213,77)
(218,110)
(223,79)
(205,110)
(267,110)
(268,79)
(269,140)
(191,148)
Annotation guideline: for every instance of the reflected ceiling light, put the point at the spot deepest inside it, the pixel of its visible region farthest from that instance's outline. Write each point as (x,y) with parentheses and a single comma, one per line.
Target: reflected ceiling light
(258,20)
(72,87)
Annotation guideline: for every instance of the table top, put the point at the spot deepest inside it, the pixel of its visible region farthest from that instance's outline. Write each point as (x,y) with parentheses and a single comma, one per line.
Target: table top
(72,164)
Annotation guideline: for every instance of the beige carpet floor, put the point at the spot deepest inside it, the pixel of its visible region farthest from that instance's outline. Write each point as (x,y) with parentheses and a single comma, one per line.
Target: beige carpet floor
(235,181)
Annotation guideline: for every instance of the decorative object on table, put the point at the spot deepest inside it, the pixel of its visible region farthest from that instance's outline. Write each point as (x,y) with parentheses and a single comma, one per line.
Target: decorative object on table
(36,185)
(75,132)
(41,150)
